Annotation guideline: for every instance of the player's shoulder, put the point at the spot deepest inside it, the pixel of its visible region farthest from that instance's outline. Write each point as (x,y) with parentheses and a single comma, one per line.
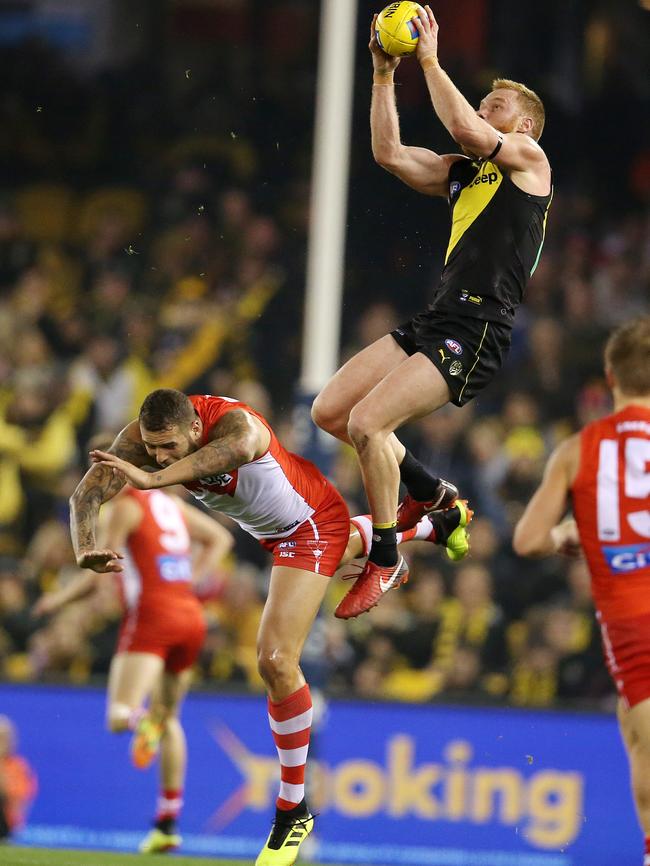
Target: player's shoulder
(216,403)
(565,459)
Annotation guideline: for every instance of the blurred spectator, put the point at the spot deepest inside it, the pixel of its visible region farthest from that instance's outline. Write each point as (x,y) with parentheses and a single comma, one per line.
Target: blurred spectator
(18,785)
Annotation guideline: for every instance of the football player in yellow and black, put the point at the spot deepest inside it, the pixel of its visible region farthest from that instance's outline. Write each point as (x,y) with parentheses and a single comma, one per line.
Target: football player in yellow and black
(499,191)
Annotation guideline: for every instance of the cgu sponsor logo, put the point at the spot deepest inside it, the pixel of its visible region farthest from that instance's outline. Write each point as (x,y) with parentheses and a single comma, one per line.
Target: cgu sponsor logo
(173,568)
(546,806)
(490,177)
(623,559)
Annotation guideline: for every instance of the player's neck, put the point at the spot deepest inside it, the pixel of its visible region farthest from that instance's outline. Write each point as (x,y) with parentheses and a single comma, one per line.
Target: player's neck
(622,401)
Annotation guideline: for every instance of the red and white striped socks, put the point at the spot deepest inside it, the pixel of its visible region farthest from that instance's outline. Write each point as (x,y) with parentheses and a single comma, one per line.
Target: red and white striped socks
(170,803)
(290,721)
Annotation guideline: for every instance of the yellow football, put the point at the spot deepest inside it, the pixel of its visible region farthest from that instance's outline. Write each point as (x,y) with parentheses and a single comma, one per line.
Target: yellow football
(396,32)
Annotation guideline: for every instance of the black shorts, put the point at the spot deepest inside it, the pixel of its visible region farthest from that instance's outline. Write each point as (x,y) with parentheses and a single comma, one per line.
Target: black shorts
(467,351)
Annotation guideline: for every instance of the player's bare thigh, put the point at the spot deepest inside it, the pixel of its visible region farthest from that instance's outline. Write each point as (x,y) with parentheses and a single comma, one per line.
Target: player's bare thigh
(353,381)
(168,693)
(131,680)
(293,600)
(414,389)
(635,726)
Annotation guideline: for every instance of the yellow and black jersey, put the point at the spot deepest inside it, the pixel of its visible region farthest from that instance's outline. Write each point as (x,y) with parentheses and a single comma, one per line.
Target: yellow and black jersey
(497,233)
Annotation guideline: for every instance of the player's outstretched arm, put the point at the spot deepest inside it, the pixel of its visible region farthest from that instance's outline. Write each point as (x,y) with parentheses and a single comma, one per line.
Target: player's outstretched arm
(51,602)
(99,485)
(539,531)
(214,540)
(421,169)
(238,438)
(517,152)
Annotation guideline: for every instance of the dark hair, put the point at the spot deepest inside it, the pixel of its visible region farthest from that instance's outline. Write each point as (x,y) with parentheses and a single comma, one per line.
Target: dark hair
(166,408)
(627,357)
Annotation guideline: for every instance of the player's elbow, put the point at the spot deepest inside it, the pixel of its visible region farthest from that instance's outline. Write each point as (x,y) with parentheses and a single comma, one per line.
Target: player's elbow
(524,542)
(79,496)
(387,159)
(466,136)
(248,446)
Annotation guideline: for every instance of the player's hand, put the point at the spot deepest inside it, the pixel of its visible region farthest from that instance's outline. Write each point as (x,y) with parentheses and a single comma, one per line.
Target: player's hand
(46,605)
(135,476)
(101,561)
(382,63)
(566,539)
(427,28)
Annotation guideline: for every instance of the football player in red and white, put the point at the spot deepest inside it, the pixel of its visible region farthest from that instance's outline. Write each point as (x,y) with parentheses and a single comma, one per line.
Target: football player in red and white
(228,456)
(605,472)
(161,633)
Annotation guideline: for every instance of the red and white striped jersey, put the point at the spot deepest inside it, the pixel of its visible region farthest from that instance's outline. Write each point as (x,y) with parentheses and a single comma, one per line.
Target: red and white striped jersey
(157,566)
(611,503)
(268,497)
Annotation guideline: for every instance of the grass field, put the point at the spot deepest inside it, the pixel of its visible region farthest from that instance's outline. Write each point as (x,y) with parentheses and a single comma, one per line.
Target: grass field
(10,856)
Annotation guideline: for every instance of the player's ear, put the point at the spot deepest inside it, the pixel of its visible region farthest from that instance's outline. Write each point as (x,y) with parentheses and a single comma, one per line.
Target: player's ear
(609,378)
(525,125)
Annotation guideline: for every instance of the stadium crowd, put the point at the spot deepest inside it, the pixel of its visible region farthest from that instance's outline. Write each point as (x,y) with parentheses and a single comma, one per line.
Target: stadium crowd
(160,242)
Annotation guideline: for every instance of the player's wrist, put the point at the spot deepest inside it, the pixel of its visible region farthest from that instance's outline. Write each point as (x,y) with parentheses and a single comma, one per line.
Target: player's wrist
(383,77)
(429,61)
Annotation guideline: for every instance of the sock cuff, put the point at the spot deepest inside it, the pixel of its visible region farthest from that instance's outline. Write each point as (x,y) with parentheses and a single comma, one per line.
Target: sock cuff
(292,705)
(385,525)
(363,526)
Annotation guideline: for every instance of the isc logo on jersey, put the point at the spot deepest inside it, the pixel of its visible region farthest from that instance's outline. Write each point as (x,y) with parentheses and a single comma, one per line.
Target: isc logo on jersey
(623,559)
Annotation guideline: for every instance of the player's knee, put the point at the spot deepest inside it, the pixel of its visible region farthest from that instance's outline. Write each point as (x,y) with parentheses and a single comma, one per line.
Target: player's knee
(641,786)
(362,426)
(118,718)
(274,666)
(161,711)
(325,416)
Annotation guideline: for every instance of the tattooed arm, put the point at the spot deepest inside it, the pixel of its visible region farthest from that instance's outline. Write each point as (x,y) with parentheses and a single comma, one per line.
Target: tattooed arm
(238,438)
(99,485)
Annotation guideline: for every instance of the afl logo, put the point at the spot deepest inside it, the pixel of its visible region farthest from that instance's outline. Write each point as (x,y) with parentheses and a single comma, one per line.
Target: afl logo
(454,188)
(454,346)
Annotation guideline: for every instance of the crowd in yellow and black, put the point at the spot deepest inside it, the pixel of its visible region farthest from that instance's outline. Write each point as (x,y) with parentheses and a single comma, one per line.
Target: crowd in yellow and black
(153,226)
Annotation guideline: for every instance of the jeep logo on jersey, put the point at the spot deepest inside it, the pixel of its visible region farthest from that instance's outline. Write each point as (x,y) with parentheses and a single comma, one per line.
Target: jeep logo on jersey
(454,346)
(491,177)
(623,559)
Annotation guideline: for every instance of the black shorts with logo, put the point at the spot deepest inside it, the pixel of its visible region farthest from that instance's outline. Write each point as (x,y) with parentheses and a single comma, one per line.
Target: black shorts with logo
(467,351)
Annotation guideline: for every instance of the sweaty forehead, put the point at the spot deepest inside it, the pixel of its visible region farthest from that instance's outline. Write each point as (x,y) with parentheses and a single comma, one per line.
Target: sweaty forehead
(160,437)
(501,95)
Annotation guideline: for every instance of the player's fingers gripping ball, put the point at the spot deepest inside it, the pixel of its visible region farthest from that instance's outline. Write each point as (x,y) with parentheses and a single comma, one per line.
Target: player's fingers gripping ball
(396,33)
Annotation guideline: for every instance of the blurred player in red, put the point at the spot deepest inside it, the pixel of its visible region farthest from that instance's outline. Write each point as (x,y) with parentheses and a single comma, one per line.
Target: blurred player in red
(161,634)
(227,455)
(18,783)
(605,472)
